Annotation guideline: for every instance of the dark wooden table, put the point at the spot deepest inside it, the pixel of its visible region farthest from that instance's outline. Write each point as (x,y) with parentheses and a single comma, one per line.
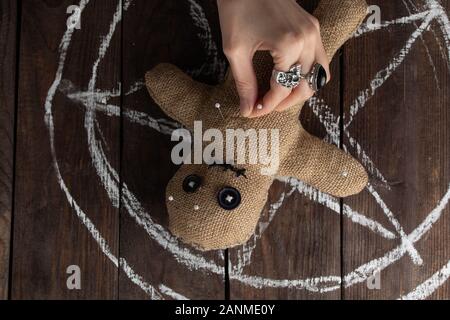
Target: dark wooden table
(85,157)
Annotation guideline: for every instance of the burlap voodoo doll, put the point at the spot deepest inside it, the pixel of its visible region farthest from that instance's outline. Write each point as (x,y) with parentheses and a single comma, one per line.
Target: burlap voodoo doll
(218,206)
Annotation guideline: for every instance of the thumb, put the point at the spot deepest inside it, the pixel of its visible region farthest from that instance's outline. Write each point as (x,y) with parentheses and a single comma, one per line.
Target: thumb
(245,80)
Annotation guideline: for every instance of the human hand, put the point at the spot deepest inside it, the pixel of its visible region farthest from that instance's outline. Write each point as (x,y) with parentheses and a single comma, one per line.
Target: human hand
(285,29)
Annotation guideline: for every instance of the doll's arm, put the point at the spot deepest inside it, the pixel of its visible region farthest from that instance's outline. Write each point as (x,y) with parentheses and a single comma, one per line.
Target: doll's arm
(179,96)
(339,19)
(324,167)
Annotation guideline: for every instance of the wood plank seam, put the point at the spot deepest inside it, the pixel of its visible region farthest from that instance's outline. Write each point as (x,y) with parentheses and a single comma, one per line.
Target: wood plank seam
(16,110)
(341,146)
(10,27)
(120,147)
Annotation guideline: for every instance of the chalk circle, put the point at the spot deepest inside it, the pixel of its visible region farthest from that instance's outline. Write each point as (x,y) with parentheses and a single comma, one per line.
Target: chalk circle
(188,257)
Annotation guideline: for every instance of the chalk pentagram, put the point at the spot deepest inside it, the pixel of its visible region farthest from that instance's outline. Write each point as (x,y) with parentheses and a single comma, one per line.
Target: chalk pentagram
(94,101)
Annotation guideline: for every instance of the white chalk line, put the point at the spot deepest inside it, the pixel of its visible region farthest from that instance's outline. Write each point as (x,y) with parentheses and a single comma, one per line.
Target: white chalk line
(365,28)
(403,252)
(244,253)
(326,117)
(93,231)
(213,65)
(99,95)
(436,11)
(333,204)
(138,85)
(420,35)
(360,102)
(383,75)
(140,282)
(313,280)
(425,46)
(109,179)
(108,176)
(433,7)
(366,160)
(429,286)
(161,125)
(436,37)
(246,250)
(169,292)
(412,251)
(101,99)
(444,22)
(102,96)
(49,120)
(331,124)
(363,272)
(100,133)
(374,266)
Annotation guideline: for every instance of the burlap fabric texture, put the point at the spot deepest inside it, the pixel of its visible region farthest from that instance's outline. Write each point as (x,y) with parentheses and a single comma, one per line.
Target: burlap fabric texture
(197,218)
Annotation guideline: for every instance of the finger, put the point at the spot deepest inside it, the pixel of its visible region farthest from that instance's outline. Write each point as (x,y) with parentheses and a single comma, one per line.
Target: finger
(322,58)
(245,78)
(304,92)
(277,92)
(298,97)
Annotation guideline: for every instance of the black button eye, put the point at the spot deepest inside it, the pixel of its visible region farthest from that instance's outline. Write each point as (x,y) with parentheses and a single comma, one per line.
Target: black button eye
(191,183)
(229,198)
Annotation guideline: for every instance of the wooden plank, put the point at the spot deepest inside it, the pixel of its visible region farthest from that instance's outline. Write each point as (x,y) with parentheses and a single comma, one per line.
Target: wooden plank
(154,32)
(8,24)
(302,239)
(402,125)
(50,233)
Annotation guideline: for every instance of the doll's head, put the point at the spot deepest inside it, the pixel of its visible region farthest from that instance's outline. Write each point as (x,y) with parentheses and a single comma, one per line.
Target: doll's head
(215,206)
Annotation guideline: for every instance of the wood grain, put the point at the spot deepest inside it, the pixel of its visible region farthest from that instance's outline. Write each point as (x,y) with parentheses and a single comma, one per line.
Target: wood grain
(8,25)
(155,32)
(404,129)
(48,235)
(303,239)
